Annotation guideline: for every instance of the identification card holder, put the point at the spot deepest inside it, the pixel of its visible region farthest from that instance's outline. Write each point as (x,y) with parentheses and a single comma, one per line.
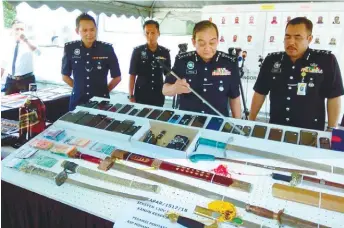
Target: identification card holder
(301,89)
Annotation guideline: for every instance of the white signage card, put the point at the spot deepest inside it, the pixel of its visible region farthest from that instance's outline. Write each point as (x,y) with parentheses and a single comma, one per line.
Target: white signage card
(151,213)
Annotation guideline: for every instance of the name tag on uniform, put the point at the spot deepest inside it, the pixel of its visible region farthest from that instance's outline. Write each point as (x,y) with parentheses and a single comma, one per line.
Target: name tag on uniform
(301,89)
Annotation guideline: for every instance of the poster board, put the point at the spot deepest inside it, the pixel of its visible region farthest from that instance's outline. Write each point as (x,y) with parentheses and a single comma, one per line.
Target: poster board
(259,30)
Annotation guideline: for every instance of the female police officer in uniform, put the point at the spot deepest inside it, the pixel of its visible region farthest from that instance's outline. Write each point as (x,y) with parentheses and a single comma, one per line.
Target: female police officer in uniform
(145,69)
(299,80)
(89,61)
(211,73)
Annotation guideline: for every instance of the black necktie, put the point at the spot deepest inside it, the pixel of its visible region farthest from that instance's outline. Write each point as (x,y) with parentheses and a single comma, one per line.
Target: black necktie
(14,59)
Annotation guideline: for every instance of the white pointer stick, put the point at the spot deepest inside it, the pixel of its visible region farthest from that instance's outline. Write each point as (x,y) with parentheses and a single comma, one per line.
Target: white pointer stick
(200,97)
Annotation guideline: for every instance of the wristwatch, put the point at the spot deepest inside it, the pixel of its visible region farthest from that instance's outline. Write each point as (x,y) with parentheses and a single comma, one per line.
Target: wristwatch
(330,128)
(131,96)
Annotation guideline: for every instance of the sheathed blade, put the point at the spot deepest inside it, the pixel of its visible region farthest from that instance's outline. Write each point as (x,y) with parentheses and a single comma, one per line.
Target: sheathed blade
(176,184)
(105,190)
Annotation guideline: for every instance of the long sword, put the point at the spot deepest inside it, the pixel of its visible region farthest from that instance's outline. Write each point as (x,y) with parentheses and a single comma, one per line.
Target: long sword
(62,178)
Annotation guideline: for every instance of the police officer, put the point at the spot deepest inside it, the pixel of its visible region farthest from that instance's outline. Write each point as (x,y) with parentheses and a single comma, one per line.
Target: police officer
(89,61)
(211,73)
(299,80)
(146,75)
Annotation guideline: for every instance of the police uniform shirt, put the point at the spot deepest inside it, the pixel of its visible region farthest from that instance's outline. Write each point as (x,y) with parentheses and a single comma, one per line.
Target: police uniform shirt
(149,82)
(89,67)
(280,76)
(216,81)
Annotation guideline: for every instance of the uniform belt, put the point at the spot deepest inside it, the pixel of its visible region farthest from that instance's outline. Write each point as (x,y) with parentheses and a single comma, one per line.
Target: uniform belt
(20,77)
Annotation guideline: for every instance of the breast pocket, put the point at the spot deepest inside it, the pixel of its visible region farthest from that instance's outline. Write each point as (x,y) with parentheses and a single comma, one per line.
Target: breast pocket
(100,65)
(314,84)
(277,84)
(220,84)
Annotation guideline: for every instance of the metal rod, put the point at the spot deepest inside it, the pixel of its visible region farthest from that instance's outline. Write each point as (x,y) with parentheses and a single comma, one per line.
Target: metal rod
(201,98)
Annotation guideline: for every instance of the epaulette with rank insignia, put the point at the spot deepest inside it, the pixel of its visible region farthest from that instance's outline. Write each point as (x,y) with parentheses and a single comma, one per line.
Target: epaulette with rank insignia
(140,46)
(72,42)
(275,53)
(227,56)
(185,54)
(106,43)
(324,52)
(165,49)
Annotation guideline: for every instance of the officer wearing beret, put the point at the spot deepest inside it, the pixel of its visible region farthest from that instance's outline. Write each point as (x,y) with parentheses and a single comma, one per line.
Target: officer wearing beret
(89,62)
(299,80)
(146,75)
(211,73)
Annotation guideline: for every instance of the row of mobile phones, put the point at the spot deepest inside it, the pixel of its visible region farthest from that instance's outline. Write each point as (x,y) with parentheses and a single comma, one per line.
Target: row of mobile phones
(101,122)
(308,138)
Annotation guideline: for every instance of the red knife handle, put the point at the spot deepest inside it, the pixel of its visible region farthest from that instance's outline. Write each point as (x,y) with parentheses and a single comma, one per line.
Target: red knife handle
(324,182)
(87,157)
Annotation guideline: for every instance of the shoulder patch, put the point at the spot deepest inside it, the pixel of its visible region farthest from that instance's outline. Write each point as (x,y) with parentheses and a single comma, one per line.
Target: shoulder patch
(227,56)
(185,55)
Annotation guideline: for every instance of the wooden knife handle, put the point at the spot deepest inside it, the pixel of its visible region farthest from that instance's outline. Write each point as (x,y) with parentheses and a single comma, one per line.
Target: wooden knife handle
(260,211)
(189,223)
(298,223)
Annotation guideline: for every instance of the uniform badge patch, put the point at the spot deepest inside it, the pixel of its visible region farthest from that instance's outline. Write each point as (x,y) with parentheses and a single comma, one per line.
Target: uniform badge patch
(276,68)
(161,58)
(77,51)
(221,72)
(190,65)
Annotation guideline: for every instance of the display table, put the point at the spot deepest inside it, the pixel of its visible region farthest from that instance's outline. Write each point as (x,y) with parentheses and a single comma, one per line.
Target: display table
(56,100)
(110,207)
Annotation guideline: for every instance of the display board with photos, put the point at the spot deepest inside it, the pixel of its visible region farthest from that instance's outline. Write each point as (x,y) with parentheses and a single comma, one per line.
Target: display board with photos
(259,30)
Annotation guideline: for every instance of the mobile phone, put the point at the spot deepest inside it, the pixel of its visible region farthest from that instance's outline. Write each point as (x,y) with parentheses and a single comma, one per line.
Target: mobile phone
(155,114)
(67,117)
(325,143)
(185,120)
(132,130)
(103,105)
(166,115)
(103,124)
(275,134)
(96,120)
(227,127)
(291,137)
(144,112)
(89,104)
(235,131)
(113,125)
(259,131)
(215,123)
(115,108)
(308,138)
(199,121)
(85,119)
(124,126)
(247,130)
(133,112)
(174,119)
(178,143)
(126,109)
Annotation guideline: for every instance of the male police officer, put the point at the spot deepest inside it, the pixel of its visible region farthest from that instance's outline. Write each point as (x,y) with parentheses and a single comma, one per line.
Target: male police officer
(299,80)
(211,73)
(149,73)
(89,61)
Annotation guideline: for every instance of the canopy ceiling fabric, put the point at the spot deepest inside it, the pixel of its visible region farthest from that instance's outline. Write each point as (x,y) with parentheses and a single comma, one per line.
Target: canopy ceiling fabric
(145,8)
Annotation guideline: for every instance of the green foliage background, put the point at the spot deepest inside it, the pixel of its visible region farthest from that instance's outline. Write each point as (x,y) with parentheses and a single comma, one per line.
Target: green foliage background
(10,14)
